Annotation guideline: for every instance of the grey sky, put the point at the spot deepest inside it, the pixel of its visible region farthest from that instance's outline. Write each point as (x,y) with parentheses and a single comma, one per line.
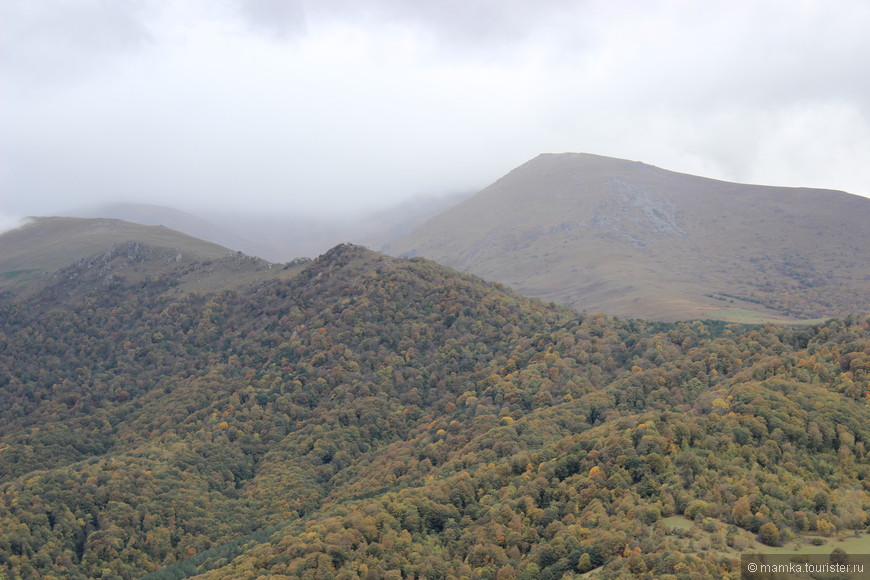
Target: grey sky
(337,105)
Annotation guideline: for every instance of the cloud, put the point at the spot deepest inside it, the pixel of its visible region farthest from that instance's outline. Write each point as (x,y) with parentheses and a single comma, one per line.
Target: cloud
(337,105)
(58,41)
(282,19)
(9,222)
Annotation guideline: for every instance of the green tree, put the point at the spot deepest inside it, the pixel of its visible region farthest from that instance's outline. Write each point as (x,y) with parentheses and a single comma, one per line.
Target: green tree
(769,534)
(584,564)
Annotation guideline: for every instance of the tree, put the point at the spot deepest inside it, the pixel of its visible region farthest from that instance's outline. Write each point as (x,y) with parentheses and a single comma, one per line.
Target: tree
(769,534)
(585,563)
(838,556)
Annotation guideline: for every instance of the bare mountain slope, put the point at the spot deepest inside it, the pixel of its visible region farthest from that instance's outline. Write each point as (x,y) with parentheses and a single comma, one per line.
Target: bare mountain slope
(180,221)
(635,240)
(47,251)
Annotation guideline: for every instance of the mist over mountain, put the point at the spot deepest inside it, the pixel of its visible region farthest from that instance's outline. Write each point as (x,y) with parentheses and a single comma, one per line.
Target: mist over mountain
(44,245)
(66,259)
(175,219)
(634,240)
(279,236)
(600,234)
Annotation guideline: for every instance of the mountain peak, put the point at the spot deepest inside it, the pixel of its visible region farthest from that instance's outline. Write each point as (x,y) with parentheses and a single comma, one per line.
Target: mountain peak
(343,252)
(635,240)
(71,257)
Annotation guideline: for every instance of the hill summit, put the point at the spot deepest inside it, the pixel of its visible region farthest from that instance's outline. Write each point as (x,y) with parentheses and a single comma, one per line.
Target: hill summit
(638,241)
(65,258)
(45,244)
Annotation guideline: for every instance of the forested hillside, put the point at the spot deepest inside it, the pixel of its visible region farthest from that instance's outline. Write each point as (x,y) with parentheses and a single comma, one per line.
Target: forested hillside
(373,417)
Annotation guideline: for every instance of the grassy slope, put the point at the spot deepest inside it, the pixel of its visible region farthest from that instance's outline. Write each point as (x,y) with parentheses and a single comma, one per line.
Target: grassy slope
(46,244)
(40,253)
(634,240)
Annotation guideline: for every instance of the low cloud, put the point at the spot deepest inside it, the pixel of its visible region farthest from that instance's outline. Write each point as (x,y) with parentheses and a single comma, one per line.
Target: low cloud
(8,222)
(338,106)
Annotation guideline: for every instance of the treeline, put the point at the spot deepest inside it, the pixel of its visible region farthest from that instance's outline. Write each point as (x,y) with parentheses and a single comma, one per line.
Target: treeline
(375,417)
(793,286)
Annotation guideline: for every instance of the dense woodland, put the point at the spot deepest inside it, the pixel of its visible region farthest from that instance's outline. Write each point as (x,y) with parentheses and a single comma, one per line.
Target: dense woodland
(382,418)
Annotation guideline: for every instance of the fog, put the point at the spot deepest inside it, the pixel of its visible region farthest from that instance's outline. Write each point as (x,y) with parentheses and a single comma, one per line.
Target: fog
(332,108)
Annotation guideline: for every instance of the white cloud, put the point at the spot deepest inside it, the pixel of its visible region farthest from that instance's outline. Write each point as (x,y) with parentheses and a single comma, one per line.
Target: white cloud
(10,222)
(334,105)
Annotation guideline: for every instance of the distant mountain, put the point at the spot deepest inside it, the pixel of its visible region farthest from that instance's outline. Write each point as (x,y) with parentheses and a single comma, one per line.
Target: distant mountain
(181,221)
(47,251)
(381,229)
(283,236)
(45,244)
(634,240)
(361,416)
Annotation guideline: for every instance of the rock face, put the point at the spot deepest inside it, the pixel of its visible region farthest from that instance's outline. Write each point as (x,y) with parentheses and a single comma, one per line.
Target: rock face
(635,240)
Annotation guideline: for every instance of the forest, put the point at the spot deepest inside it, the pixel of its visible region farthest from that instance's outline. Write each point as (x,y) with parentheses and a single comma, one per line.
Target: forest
(375,417)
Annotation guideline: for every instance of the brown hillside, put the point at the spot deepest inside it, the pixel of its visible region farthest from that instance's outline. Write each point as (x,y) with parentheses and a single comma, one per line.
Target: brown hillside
(55,251)
(634,240)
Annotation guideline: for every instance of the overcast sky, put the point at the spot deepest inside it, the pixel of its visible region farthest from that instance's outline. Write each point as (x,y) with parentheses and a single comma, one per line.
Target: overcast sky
(336,105)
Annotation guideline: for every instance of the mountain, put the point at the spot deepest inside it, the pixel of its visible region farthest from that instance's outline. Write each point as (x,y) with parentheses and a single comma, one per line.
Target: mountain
(634,240)
(282,236)
(362,416)
(45,244)
(52,251)
(180,221)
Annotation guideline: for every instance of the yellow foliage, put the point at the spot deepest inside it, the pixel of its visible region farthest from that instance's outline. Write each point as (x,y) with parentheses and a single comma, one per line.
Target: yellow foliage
(721,404)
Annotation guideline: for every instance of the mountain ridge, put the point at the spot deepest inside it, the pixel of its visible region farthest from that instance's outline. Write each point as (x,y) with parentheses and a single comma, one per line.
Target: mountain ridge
(44,244)
(636,240)
(282,236)
(73,257)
